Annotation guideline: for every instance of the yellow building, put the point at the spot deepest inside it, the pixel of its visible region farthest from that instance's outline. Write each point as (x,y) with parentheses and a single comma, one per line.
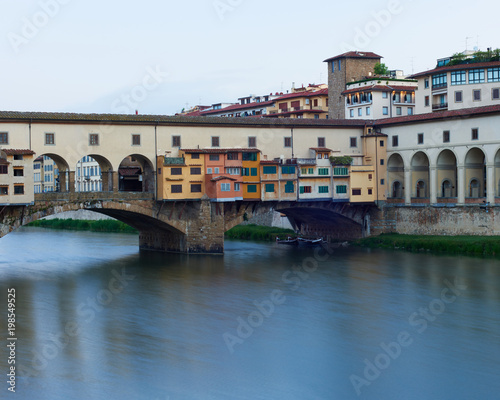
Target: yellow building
(251,174)
(181,178)
(311,102)
(16,177)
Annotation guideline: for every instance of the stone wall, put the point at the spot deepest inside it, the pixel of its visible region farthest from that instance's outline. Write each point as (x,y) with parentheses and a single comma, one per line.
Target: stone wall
(80,214)
(271,219)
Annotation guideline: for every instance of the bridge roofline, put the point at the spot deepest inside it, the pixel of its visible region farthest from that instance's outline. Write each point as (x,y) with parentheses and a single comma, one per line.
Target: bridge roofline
(126,119)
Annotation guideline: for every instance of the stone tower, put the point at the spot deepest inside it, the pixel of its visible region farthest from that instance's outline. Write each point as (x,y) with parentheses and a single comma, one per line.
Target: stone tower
(344,68)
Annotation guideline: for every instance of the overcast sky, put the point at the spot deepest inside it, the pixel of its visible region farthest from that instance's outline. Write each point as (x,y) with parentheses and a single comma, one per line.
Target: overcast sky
(160,56)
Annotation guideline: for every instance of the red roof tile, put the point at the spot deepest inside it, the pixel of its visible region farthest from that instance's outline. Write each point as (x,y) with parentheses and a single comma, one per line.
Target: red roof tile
(465,113)
(355,54)
(16,152)
(221,150)
(379,88)
(269,162)
(237,107)
(222,177)
(322,92)
(447,68)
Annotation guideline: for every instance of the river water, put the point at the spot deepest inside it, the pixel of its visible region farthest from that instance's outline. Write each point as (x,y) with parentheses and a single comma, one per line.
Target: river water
(97,319)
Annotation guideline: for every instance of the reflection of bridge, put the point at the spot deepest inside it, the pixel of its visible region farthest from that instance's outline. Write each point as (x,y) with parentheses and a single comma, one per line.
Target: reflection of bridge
(192,226)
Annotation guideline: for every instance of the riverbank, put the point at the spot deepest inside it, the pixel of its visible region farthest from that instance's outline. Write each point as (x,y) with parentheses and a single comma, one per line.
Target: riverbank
(257,232)
(462,245)
(84,225)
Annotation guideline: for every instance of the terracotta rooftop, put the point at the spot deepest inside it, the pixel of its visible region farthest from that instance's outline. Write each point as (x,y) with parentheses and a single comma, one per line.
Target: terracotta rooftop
(16,152)
(221,150)
(237,107)
(222,177)
(321,92)
(456,67)
(132,119)
(379,88)
(355,54)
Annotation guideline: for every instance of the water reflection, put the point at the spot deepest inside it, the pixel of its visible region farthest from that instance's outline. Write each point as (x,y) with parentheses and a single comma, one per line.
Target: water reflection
(98,319)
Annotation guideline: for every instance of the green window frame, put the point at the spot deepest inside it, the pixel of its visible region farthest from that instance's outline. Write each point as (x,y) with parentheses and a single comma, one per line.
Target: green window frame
(310,171)
(323,189)
(251,188)
(341,189)
(269,169)
(269,187)
(289,187)
(323,171)
(340,171)
(253,171)
(288,170)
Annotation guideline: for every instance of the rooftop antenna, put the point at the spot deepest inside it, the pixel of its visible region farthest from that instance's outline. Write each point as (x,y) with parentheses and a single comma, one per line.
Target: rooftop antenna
(467,42)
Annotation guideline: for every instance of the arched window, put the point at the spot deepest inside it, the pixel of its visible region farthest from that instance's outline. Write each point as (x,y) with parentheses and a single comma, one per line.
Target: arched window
(421,192)
(446,188)
(397,190)
(474,188)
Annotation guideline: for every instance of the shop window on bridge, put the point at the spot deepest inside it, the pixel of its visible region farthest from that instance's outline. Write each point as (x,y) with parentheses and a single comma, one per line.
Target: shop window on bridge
(252,188)
(323,171)
(249,156)
(288,170)
(4,190)
(340,171)
(19,189)
(356,192)
(269,170)
(323,189)
(3,169)
(269,187)
(305,189)
(49,138)
(4,138)
(225,187)
(195,156)
(176,171)
(237,187)
(253,171)
(18,171)
(232,156)
(176,188)
(341,189)
(18,157)
(213,157)
(195,171)
(289,187)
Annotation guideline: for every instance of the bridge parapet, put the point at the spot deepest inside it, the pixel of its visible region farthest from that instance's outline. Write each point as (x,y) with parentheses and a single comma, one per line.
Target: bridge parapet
(88,196)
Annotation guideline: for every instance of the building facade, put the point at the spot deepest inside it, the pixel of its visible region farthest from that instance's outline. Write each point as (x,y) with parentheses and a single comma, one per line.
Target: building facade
(16,177)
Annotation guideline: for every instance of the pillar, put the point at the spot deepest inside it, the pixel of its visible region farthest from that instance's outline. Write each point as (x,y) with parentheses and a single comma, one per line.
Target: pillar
(490,184)
(408,186)
(71,182)
(460,184)
(115,181)
(433,185)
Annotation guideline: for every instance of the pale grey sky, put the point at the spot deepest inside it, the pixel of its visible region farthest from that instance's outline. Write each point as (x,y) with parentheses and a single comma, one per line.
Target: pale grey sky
(158,57)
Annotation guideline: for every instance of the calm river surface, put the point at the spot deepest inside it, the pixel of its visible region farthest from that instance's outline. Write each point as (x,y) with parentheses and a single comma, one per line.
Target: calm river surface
(97,319)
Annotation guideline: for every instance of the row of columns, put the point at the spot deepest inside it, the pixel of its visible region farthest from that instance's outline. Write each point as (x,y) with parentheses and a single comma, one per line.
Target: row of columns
(461,185)
(110,181)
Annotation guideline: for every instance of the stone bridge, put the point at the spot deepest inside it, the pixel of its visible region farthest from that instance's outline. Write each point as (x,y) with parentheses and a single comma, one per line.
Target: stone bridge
(193,226)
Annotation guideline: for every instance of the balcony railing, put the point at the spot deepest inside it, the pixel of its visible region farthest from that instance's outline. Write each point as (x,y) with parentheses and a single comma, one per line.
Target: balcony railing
(439,86)
(440,106)
(174,161)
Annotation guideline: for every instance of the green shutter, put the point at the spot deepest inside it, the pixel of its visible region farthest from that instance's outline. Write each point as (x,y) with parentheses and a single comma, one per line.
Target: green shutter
(270,187)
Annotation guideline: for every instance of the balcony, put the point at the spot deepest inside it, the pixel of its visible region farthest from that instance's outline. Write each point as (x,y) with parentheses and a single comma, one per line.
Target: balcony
(439,86)
(174,161)
(306,161)
(440,107)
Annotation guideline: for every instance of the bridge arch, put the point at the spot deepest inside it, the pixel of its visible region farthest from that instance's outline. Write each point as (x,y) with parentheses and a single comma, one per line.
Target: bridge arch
(51,173)
(475,173)
(136,174)
(396,176)
(446,166)
(420,175)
